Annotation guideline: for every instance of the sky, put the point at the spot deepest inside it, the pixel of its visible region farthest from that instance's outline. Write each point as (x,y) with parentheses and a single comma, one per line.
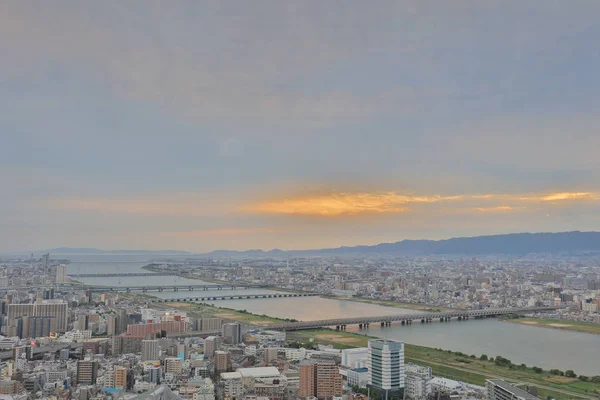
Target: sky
(203,125)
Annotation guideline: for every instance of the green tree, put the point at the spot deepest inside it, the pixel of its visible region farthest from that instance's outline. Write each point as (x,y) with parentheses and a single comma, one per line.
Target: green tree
(537,370)
(483,357)
(570,374)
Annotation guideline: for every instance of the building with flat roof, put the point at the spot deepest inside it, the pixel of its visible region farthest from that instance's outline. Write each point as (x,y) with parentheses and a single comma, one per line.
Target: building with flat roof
(386,364)
(417,382)
(497,389)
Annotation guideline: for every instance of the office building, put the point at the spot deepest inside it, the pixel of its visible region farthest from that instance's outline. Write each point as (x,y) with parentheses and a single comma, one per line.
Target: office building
(222,361)
(154,375)
(497,389)
(45,260)
(386,364)
(232,333)
(87,372)
(150,350)
(320,379)
(417,382)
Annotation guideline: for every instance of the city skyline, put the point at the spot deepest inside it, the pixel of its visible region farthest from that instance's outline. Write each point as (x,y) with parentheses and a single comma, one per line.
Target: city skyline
(213,126)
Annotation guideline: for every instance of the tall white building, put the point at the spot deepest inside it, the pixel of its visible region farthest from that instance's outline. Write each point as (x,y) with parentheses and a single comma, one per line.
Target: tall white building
(418,382)
(150,350)
(386,364)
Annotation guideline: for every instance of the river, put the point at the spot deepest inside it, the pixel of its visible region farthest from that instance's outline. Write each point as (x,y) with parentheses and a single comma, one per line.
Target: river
(531,345)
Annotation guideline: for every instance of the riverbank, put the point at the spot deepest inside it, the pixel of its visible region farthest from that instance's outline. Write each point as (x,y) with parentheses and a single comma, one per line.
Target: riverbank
(566,325)
(396,304)
(462,367)
(200,310)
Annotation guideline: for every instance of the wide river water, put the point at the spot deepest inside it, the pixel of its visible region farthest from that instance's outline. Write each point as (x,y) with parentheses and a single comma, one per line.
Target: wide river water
(543,347)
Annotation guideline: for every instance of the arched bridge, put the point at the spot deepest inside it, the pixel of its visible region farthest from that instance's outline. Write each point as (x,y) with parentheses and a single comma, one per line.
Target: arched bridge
(235,297)
(386,320)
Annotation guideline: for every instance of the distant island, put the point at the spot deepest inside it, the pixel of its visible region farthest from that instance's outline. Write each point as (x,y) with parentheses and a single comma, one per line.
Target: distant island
(514,244)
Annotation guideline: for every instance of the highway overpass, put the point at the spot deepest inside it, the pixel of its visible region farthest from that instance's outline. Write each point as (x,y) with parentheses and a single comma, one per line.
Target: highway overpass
(386,320)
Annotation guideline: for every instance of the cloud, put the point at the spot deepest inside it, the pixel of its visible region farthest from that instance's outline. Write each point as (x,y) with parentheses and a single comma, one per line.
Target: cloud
(340,204)
(337,204)
(175,204)
(497,209)
(223,232)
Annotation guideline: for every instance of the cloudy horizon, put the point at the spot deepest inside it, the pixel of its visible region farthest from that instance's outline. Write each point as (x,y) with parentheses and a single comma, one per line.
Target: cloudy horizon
(224,125)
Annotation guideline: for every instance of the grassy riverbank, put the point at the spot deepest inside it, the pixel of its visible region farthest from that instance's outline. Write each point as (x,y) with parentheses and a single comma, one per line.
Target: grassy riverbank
(198,310)
(397,304)
(566,325)
(463,367)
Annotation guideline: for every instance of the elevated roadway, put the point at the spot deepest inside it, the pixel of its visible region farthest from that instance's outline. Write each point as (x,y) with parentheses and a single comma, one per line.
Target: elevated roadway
(386,320)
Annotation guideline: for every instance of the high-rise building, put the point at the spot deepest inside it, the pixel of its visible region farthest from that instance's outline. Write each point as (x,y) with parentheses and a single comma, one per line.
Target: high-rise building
(61,274)
(154,375)
(386,364)
(56,310)
(111,327)
(497,389)
(417,382)
(120,321)
(120,378)
(321,379)
(87,372)
(211,344)
(45,260)
(150,350)
(222,361)
(232,333)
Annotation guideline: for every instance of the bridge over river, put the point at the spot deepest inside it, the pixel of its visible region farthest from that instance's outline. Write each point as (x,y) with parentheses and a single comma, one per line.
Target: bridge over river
(235,297)
(386,320)
(124,275)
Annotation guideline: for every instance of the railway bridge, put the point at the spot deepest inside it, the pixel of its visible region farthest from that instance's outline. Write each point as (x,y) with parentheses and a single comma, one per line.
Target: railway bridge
(235,297)
(386,320)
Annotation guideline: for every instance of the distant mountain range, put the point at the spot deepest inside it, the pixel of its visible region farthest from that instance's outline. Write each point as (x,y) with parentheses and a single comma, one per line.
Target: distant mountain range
(510,244)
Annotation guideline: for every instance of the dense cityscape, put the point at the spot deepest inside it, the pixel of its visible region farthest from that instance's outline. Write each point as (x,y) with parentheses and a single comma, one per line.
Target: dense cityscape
(63,338)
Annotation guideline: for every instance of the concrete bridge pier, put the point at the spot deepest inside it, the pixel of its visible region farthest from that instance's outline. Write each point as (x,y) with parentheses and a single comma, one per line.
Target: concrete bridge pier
(388,323)
(404,322)
(382,324)
(337,328)
(423,321)
(359,326)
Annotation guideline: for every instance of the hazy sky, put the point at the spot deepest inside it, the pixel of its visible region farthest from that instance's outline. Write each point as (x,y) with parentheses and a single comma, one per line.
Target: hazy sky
(202,125)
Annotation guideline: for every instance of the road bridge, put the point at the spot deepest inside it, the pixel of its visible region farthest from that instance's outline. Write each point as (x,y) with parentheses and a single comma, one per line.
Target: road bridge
(124,275)
(144,289)
(235,297)
(386,320)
